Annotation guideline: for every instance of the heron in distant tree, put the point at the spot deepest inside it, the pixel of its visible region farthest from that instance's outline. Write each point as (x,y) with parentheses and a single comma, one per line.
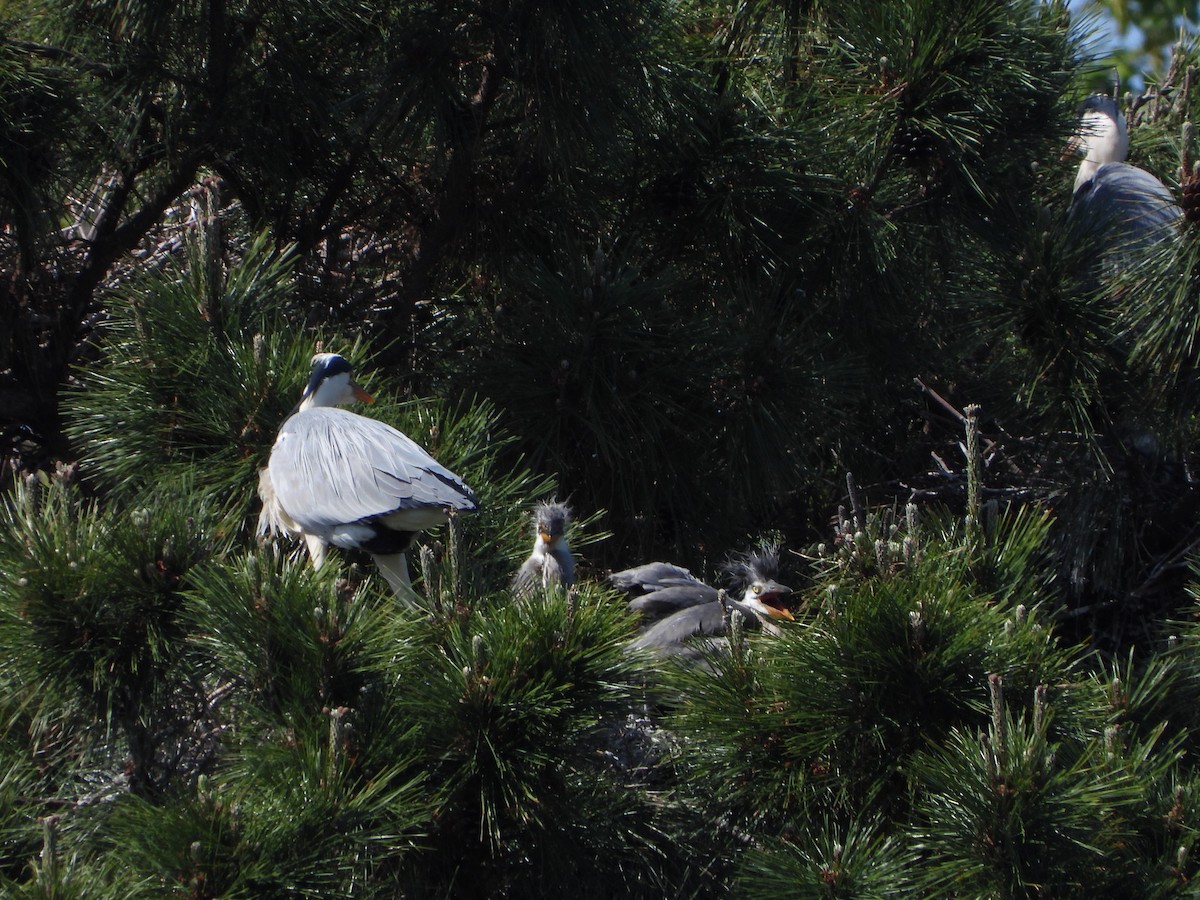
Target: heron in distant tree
(681,609)
(550,564)
(1128,205)
(1119,213)
(335,477)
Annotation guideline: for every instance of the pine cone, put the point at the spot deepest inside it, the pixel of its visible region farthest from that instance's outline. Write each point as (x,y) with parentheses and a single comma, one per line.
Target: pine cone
(1191,199)
(913,146)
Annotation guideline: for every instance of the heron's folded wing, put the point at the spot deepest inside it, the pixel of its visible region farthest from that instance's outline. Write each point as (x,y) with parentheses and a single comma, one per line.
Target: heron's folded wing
(677,628)
(659,604)
(652,576)
(1129,204)
(330,467)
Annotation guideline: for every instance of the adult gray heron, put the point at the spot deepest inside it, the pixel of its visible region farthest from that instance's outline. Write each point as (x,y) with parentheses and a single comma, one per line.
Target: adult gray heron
(682,611)
(1129,206)
(550,564)
(335,477)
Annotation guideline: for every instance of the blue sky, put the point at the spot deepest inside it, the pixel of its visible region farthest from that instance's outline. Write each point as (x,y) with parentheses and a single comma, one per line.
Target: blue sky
(1107,38)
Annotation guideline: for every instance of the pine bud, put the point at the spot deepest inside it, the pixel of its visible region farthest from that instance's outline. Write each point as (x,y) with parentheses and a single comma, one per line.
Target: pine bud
(916,621)
(1041,707)
(996,689)
(572,605)
(1112,741)
(735,631)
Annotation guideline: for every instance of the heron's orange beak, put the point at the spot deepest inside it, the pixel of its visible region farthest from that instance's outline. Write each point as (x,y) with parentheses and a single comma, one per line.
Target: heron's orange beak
(546,537)
(772,599)
(360,394)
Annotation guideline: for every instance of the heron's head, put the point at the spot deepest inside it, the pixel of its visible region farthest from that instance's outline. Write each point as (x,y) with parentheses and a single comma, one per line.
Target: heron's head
(551,520)
(754,572)
(768,599)
(331,383)
(1101,136)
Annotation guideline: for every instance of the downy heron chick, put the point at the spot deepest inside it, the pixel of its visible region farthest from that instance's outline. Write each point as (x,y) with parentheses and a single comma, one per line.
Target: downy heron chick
(550,564)
(698,612)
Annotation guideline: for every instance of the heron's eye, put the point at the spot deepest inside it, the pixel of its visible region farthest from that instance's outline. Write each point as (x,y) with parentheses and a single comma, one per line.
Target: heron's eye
(757,589)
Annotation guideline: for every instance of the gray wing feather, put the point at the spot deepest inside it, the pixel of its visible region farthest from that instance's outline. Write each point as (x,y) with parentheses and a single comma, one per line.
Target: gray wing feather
(1130,203)
(562,567)
(658,604)
(651,577)
(675,629)
(529,576)
(330,466)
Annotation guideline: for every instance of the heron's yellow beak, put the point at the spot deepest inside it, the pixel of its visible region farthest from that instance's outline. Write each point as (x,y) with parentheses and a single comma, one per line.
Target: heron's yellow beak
(546,537)
(360,394)
(779,612)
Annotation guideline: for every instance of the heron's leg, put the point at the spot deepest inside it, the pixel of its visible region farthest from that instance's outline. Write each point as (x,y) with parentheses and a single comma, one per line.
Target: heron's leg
(316,549)
(394,567)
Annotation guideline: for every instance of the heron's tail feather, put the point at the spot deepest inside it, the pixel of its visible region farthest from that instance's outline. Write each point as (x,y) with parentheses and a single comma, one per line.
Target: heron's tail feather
(273,519)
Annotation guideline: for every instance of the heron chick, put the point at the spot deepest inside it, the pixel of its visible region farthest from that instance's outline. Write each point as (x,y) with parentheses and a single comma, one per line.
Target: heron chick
(337,478)
(550,564)
(682,613)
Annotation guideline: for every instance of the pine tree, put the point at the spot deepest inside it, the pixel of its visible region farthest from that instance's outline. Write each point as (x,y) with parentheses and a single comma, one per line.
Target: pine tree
(684,266)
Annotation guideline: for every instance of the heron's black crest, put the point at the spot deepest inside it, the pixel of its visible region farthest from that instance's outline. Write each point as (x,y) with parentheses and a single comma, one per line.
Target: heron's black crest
(754,565)
(326,365)
(330,364)
(552,518)
(1101,102)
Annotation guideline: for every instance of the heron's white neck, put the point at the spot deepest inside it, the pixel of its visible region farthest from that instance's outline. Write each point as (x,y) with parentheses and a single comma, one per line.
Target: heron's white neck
(1106,140)
(769,627)
(557,550)
(554,545)
(333,391)
(751,604)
